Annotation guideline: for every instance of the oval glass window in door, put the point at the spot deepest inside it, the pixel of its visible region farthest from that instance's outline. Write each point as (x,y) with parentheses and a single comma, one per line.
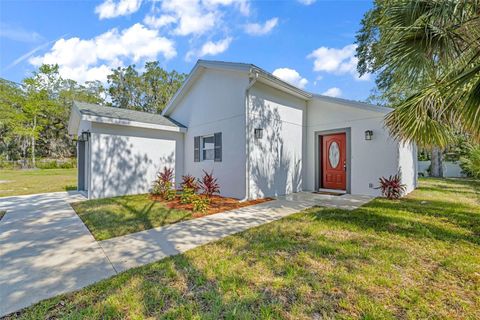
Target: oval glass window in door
(334,154)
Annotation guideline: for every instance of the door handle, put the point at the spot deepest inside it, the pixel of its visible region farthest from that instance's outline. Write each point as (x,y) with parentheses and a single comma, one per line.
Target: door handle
(345,165)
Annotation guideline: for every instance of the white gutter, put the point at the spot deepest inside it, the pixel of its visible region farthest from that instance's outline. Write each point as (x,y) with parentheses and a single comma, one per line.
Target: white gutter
(247,133)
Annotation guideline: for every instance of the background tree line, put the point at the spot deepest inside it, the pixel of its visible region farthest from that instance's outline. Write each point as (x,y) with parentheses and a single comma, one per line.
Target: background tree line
(34,113)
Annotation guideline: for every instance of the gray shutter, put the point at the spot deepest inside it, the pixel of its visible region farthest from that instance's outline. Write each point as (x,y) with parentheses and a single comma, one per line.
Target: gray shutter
(218,147)
(196,149)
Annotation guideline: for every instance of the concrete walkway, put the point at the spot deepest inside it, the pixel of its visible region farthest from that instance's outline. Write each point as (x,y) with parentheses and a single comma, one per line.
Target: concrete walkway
(147,246)
(45,250)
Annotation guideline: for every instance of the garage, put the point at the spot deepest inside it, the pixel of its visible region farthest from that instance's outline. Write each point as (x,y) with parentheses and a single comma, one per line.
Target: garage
(120,150)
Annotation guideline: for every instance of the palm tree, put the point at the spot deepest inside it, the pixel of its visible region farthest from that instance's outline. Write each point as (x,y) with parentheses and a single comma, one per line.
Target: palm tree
(426,54)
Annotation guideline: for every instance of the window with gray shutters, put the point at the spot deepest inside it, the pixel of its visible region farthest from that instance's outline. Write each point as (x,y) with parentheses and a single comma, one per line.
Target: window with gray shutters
(208,147)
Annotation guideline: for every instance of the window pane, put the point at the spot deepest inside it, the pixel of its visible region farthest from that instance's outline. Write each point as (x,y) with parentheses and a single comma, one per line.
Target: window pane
(208,154)
(208,140)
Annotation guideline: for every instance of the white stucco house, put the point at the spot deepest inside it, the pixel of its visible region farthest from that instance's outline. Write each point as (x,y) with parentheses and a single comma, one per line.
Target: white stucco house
(260,135)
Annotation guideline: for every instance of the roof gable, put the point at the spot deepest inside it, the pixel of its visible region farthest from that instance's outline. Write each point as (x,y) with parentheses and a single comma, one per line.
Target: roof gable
(261,75)
(112,115)
(249,70)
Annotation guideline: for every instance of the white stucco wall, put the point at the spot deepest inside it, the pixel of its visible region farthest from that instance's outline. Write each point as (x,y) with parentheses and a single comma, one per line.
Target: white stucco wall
(125,160)
(216,103)
(370,160)
(451,169)
(275,160)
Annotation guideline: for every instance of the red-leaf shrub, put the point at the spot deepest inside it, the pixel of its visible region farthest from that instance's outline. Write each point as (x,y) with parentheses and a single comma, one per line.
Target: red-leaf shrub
(392,187)
(190,182)
(209,184)
(163,185)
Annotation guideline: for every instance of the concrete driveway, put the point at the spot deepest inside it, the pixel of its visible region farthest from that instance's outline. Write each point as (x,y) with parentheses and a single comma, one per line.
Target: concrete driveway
(45,250)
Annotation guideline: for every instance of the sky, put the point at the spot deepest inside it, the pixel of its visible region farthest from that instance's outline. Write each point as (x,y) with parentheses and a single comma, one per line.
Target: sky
(308,43)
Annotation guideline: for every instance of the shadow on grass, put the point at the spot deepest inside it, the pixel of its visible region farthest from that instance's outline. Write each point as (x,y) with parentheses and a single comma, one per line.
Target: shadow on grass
(410,218)
(166,216)
(171,289)
(112,217)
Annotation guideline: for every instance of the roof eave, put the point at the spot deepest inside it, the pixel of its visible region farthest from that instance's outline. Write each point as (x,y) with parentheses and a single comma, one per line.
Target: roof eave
(281,85)
(355,104)
(182,90)
(130,123)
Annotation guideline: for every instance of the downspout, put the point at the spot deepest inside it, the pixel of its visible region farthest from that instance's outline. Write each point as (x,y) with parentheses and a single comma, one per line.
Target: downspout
(247,131)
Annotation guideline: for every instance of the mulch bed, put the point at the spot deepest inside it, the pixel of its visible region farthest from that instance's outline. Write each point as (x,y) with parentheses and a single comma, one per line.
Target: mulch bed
(217,204)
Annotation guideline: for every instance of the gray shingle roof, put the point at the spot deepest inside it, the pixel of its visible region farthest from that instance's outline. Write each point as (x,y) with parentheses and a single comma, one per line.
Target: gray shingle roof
(125,114)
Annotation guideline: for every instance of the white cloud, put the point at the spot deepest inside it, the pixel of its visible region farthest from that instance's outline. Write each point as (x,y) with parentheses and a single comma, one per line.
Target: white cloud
(257,29)
(213,48)
(111,9)
(193,17)
(158,22)
(190,15)
(337,61)
(307,2)
(291,76)
(92,59)
(333,92)
(210,48)
(242,5)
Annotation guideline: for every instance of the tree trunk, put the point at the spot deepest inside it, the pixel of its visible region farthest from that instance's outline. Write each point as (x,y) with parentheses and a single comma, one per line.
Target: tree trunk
(436,166)
(33,141)
(33,152)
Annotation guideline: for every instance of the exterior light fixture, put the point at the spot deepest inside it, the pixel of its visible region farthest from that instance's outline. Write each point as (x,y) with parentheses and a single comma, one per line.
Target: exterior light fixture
(368,135)
(258,133)
(84,136)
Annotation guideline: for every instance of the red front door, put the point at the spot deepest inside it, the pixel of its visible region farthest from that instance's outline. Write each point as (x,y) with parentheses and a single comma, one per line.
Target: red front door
(334,173)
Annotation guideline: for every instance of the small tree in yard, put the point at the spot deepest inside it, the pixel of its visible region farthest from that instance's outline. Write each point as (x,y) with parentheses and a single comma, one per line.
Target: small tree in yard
(163,185)
(392,187)
(209,184)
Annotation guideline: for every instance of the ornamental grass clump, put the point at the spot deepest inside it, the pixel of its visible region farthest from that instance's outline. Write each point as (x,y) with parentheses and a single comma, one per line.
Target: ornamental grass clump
(392,187)
(163,185)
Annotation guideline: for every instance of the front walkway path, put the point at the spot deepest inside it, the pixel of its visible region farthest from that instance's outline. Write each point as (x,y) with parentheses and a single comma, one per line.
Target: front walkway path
(147,246)
(45,250)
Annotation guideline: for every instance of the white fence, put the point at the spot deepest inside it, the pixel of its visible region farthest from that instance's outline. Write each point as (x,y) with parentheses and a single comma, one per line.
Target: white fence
(450,169)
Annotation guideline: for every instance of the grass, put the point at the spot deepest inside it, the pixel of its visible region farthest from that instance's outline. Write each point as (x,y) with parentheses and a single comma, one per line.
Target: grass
(113,217)
(20,182)
(413,258)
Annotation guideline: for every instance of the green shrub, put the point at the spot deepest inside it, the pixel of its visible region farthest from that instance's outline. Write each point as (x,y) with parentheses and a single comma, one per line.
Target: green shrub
(41,163)
(200,204)
(470,163)
(187,195)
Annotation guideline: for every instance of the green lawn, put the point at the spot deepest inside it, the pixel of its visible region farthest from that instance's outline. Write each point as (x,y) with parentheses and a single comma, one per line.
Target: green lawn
(418,257)
(19,182)
(113,217)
